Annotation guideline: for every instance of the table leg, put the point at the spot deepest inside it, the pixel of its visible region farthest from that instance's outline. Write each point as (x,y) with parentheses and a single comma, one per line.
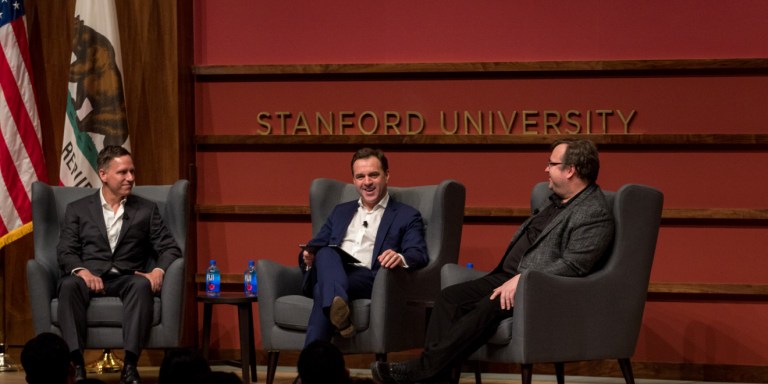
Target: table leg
(245,341)
(252,342)
(207,310)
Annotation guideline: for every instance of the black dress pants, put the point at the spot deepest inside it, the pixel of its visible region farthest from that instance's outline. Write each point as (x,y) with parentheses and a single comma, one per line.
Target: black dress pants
(134,290)
(463,319)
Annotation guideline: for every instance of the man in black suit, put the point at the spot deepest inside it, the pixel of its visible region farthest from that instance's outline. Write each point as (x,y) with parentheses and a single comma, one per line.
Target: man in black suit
(567,236)
(112,243)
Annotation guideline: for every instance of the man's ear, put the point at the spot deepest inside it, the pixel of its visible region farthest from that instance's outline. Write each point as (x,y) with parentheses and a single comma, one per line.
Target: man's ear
(570,172)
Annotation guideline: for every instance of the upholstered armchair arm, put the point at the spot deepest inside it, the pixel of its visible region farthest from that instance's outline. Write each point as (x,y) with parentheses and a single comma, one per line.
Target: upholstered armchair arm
(452,274)
(41,292)
(397,321)
(583,313)
(172,298)
(275,280)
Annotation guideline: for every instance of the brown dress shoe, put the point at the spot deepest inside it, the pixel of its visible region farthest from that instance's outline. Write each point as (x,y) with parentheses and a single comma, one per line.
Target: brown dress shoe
(339,316)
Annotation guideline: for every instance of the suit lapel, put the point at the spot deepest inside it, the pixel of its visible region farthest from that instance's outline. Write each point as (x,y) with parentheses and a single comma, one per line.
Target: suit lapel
(96,211)
(129,213)
(386,222)
(562,216)
(340,228)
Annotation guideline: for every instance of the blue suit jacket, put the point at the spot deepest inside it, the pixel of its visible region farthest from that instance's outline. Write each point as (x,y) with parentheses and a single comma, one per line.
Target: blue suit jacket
(401,229)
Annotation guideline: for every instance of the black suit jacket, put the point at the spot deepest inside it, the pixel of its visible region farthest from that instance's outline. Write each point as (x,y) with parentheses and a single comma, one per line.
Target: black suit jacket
(144,242)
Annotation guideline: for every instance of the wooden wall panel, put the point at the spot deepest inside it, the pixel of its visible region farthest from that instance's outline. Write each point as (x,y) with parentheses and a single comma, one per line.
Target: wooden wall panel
(157,101)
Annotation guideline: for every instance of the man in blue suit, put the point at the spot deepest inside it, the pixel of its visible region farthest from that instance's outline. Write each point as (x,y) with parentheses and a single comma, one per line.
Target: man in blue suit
(376,230)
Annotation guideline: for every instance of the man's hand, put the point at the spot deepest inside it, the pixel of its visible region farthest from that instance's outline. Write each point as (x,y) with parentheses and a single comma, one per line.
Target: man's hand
(506,293)
(155,278)
(390,259)
(93,282)
(309,258)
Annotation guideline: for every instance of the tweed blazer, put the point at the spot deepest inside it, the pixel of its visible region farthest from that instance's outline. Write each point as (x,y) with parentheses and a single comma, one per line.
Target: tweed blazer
(574,241)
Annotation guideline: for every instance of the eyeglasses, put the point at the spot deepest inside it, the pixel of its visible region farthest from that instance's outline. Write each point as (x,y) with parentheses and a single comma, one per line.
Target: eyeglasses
(552,164)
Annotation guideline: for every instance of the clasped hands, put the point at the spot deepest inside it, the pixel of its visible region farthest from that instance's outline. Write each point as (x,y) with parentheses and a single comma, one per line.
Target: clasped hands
(96,284)
(387,259)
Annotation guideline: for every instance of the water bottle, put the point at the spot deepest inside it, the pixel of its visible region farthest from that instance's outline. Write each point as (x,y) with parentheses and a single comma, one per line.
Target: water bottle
(212,280)
(250,285)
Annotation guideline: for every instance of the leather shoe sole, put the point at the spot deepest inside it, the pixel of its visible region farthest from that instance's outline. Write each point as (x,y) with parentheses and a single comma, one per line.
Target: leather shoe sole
(339,316)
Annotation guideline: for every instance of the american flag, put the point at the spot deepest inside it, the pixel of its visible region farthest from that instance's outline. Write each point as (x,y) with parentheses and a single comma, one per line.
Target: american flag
(21,153)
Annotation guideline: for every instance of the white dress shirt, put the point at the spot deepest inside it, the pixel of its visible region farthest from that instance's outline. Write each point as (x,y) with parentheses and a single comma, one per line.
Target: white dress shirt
(361,233)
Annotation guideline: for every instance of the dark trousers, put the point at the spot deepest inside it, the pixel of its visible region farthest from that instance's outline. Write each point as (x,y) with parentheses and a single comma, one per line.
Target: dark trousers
(463,319)
(135,291)
(334,278)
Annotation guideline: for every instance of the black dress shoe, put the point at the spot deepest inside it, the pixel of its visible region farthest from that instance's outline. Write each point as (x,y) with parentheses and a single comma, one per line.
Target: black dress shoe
(79,373)
(130,375)
(386,373)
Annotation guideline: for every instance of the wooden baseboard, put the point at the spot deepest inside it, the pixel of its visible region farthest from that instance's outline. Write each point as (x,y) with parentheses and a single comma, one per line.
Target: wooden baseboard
(601,368)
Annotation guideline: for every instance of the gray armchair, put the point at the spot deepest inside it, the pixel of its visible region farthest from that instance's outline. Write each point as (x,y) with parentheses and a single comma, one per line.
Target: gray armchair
(386,322)
(562,319)
(105,313)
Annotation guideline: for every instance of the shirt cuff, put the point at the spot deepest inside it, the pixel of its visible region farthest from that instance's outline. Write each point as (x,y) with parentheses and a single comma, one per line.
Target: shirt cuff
(402,258)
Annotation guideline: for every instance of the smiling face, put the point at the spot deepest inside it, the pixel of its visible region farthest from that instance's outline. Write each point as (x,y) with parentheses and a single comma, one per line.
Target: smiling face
(118,177)
(370,180)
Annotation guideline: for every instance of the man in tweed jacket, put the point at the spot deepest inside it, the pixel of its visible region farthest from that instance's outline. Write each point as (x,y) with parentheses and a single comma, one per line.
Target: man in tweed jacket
(565,237)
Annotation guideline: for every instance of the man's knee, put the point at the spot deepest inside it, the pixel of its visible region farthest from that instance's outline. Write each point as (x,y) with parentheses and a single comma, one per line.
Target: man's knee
(140,285)
(70,284)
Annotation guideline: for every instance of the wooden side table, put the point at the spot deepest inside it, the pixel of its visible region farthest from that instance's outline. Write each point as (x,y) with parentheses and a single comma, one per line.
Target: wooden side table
(245,319)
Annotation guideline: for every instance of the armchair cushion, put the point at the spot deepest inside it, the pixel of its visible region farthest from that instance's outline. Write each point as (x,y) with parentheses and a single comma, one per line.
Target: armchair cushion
(292,312)
(105,312)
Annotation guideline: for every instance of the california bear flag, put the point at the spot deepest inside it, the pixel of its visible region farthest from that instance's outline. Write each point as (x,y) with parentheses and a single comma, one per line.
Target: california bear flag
(96,105)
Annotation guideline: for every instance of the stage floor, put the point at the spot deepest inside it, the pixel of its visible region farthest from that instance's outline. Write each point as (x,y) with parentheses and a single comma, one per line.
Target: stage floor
(286,375)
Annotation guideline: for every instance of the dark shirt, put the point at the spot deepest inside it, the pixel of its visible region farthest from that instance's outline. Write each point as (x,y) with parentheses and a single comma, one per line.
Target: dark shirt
(538,222)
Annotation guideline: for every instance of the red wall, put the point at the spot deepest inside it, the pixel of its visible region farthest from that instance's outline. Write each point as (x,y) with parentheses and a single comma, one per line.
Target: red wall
(293,32)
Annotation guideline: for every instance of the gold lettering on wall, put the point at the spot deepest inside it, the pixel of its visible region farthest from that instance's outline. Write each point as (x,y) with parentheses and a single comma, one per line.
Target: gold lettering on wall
(454,122)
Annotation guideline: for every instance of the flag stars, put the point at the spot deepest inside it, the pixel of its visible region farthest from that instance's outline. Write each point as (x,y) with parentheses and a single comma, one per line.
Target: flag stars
(16,5)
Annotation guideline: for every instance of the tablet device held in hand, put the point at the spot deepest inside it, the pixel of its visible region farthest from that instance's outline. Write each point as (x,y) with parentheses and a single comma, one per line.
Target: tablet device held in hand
(345,257)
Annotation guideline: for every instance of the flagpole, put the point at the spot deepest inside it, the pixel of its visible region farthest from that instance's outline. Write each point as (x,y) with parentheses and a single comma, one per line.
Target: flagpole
(6,362)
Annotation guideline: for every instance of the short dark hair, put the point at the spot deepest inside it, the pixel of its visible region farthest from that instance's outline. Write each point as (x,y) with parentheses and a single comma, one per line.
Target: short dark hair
(582,155)
(108,153)
(322,362)
(46,359)
(364,153)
